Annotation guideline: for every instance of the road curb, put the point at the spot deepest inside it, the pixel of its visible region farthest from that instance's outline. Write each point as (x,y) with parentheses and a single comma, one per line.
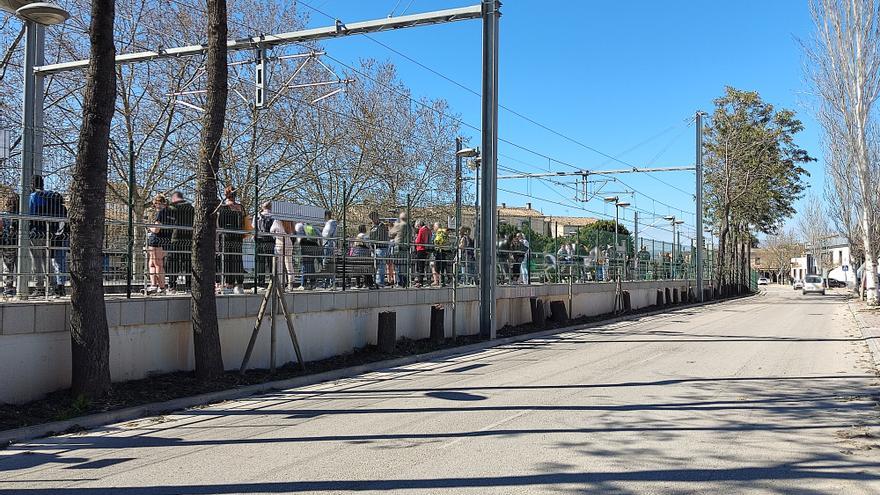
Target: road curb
(870,334)
(158,408)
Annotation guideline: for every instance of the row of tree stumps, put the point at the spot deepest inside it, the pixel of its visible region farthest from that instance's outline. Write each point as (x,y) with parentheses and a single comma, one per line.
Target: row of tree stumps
(560,312)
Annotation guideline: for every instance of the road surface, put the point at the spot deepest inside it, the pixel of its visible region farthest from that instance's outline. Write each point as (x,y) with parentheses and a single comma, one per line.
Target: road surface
(771,394)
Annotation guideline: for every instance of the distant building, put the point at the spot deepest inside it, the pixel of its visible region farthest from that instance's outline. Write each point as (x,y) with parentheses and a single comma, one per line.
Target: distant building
(766,266)
(521,216)
(566,226)
(836,257)
(802,266)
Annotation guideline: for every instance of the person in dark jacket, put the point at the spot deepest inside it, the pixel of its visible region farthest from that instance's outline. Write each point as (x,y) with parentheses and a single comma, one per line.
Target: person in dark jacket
(44,232)
(180,257)
(230,221)
(9,241)
(379,243)
(158,241)
(265,242)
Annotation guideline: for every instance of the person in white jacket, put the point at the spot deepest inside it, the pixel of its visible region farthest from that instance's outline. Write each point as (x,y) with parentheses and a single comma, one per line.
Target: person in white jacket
(284,264)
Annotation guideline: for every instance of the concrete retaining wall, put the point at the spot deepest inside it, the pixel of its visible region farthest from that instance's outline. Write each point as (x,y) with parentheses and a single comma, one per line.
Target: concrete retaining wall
(154,335)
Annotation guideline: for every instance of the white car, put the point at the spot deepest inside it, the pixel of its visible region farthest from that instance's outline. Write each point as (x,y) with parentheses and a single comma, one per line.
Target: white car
(763,281)
(813,283)
(798,284)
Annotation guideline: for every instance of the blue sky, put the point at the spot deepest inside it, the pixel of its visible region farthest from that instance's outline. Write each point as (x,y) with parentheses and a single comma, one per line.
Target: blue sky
(622,77)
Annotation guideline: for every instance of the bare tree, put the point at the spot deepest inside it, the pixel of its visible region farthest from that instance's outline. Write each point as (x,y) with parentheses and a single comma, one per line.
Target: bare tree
(845,70)
(206,332)
(781,248)
(814,228)
(90,344)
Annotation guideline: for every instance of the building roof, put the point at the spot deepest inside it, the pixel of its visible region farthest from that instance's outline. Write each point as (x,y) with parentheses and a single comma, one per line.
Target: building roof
(573,221)
(518,211)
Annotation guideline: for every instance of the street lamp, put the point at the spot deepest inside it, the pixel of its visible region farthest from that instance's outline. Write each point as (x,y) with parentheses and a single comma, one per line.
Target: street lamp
(36,16)
(617,206)
(42,13)
(473,164)
(675,223)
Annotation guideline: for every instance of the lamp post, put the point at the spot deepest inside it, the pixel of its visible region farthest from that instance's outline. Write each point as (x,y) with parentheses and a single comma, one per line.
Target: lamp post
(617,206)
(675,223)
(36,16)
(459,154)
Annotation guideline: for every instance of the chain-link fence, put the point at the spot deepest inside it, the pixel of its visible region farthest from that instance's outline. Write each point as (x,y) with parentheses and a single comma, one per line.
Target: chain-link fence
(148,249)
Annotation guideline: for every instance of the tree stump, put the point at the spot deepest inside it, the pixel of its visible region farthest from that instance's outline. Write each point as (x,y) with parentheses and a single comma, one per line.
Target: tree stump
(438,331)
(558,311)
(387,336)
(539,319)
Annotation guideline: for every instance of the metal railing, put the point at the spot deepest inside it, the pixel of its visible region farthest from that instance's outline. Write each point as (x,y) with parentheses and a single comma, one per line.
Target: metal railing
(156,259)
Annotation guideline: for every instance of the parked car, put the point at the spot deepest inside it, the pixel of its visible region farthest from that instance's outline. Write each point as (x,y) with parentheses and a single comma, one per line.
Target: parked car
(797,285)
(834,283)
(763,281)
(813,284)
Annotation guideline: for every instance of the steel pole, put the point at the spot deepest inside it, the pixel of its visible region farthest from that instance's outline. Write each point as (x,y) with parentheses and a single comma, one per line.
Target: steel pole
(129,267)
(489,163)
(636,243)
(31,143)
(699,198)
(617,238)
(456,266)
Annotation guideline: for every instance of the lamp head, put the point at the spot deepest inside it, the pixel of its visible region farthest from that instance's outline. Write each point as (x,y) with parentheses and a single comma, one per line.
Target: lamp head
(468,153)
(611,199)
(670,218)
(621,204)
(44,13)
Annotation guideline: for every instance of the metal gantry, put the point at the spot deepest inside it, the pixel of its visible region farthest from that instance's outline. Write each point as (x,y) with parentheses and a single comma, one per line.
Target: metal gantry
(487,10)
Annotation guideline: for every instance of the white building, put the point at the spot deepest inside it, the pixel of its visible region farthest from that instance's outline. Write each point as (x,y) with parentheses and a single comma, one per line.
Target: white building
(833,257)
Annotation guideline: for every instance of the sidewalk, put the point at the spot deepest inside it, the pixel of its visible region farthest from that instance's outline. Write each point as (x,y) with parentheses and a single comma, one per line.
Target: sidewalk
(868,320)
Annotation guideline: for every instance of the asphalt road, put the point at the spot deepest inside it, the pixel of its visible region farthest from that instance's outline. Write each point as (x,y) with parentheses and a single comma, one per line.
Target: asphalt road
(771,394)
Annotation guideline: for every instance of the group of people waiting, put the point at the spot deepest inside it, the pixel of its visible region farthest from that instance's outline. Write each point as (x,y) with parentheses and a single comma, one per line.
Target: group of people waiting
(169,244)
(47,241)
(382,253)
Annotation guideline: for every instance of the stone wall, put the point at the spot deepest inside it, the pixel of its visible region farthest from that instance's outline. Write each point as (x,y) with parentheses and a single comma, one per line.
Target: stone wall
(154,335)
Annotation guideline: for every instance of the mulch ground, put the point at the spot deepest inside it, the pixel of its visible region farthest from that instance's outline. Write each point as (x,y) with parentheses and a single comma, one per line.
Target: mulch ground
(62,405)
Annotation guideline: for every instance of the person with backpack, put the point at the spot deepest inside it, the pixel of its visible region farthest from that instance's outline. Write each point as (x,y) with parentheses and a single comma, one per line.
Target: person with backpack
(9,237)
(44,233)
(379,242)
(441,255)
(265,242)
(180,257)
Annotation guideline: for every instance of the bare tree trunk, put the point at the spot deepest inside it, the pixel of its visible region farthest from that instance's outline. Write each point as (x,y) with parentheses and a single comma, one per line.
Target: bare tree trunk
(89,335)
(206,333)
(845,69)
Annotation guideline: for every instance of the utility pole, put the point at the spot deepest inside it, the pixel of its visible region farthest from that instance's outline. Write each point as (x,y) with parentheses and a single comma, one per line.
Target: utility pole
(636,242)
(456,265)
(699,196)
(489,166)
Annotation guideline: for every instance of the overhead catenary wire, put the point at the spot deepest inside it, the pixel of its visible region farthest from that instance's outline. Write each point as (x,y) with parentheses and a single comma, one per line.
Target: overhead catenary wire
(465,124)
